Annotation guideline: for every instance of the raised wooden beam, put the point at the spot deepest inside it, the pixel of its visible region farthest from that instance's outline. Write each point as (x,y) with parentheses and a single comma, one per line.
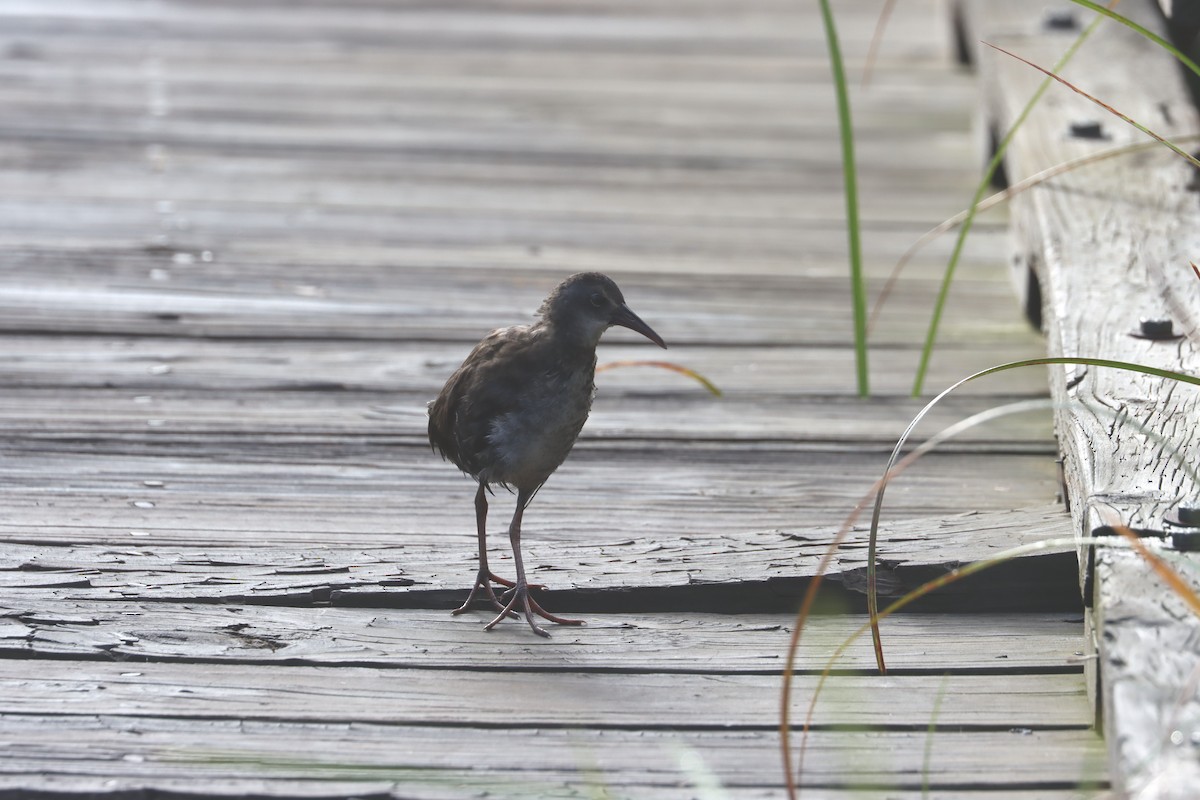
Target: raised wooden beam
(1107,248)
(752,570)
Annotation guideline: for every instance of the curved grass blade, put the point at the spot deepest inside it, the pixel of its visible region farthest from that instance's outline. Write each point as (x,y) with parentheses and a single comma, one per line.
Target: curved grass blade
(933,717)
(668,365)
(1169,576)
(939,305)
(831,551)
(1174,147)
(881,22)
(998,198)
(1151,35)
(872,597)
(928,587)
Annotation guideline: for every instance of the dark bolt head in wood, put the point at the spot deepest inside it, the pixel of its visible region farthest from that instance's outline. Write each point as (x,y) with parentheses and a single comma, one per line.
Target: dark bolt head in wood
(1087,129)
(512,412)
(1186,541)
(1060,19)
(1156,329)
(1188,515)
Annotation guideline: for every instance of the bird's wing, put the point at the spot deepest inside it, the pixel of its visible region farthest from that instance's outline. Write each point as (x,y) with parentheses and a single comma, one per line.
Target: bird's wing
(486,386)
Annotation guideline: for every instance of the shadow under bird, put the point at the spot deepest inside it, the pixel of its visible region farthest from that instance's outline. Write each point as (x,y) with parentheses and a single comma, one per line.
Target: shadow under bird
(512,412)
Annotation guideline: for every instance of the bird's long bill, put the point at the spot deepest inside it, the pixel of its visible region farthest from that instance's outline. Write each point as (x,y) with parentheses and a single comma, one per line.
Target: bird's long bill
(625,317)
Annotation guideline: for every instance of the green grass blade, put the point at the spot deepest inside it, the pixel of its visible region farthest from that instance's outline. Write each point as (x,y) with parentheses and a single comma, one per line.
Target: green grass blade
(1179,151)
(850,174)
(929,734)
(939,306)
(1151,35)
(872,595)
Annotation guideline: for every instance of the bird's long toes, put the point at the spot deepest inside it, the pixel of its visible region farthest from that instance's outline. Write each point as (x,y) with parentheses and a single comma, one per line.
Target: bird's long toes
(505,611)
(538,629)
(502,581)
(544,614)
(481,587)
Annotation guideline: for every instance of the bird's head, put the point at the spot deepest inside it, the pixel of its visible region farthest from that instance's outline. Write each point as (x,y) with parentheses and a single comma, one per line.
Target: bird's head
(585,305)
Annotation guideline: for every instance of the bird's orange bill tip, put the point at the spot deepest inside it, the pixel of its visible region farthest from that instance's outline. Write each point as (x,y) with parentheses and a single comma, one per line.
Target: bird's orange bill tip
(625,317)
(682,370)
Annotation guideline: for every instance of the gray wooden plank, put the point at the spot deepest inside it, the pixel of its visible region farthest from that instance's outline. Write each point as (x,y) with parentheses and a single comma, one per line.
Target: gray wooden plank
(569,699)
(34,626)
(772,565)
(1150,651)
(416,370)
(463,306)
(357,174)
(248,757)
(1124,228)
(627,408)
(357,491)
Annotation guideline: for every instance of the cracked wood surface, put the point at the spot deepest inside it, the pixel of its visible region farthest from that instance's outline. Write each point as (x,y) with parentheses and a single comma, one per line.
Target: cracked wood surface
(662,642)
(581,572)
(243,246)
(1110,245)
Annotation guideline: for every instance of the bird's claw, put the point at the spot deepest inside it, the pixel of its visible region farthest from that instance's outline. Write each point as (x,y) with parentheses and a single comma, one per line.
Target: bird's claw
(483,587)
(519,596)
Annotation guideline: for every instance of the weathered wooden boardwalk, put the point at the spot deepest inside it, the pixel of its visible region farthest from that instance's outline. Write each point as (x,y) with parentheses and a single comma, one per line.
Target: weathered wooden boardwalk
(243,244)
(1108,249)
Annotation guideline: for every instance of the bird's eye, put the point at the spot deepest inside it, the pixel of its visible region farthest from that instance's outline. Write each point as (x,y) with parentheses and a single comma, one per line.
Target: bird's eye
(597,300)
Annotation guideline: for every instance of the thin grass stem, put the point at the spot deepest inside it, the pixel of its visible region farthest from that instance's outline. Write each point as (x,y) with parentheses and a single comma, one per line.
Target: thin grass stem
(939,305)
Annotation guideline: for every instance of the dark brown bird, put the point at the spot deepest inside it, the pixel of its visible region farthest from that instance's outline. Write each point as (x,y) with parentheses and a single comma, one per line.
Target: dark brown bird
(511,413)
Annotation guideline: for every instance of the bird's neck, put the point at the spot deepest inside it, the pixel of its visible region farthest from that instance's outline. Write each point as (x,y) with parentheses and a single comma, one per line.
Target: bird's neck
(572,336)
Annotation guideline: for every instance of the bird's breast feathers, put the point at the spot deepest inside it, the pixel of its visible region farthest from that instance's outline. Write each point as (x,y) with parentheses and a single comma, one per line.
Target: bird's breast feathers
(529,441)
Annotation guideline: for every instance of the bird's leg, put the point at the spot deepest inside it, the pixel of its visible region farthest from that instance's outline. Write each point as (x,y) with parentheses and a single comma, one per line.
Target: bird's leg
(484,577)
(481,507)
(518,596)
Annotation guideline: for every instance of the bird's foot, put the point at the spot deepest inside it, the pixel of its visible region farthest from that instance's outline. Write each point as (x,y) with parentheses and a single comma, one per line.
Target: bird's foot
(483,590)
(502,581)
(518,598)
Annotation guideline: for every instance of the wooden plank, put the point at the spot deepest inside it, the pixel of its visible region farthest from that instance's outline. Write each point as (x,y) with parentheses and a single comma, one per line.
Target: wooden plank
(1150,651)
(628,407)
(718,30)
(460,307)
(307,491)
(1123,228)
(254,758)
(763,568)
(414,372)
(268,237)
(572,699)
(33,626)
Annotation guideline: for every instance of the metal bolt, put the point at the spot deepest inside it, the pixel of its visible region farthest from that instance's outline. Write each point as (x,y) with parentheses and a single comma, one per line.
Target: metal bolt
(1060,19)
(1188,515)
(1156,329)
(1087,129)
(1186,541)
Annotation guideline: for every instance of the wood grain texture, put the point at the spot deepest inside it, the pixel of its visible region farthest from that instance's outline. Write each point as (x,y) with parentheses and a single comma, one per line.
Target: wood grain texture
(573,699)
(770,568)
(1150,651)
(371,760)
(32,625)
(243,245)
(1110,245)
